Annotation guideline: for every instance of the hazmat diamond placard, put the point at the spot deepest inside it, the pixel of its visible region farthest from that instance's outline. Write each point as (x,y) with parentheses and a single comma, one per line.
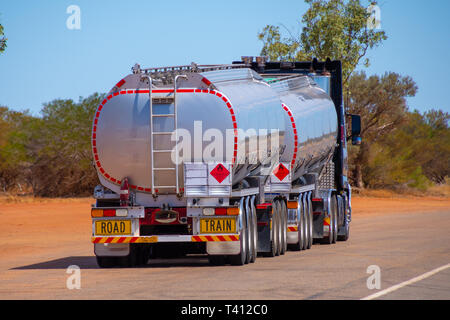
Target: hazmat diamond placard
(220,173)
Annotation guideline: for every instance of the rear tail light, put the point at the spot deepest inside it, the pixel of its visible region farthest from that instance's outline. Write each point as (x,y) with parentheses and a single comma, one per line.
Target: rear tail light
(96,213)
(221,211)
(121,212)
(208,211)
(109,212)
(124,193)
(99,213)
(233,211)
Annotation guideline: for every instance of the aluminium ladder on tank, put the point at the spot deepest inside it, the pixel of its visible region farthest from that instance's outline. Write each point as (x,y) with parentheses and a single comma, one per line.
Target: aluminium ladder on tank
(154,133)
(175,73)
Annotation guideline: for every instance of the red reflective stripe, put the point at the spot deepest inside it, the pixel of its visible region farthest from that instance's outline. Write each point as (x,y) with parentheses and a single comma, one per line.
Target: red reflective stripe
(294,128)
(120,83)
(206,81)
(220,95)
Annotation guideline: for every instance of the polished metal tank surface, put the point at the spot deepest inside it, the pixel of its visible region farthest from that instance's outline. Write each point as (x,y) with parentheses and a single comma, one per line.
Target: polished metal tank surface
(311,117)
(236,104)
(121,131)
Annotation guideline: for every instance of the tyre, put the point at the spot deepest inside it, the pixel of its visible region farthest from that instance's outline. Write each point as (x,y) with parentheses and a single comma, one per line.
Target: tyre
(254,232)
(283,218)
(277,217)
(241,258)
(218,260)
(106,262)
(144,252)
(346,227)
(132,259)
(273,231)
(335,220)
(301,230)
(305,224)
(333,207)
(309,218)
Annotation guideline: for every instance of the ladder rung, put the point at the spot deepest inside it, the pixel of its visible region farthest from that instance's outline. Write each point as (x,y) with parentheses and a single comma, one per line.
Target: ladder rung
(164,115)
(161,132)
(162,151)
(163,169)
(165,187)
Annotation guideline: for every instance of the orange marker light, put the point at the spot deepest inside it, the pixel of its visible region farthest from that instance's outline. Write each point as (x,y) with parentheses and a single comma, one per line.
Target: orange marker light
(97,213)
(233,211)
(292,204)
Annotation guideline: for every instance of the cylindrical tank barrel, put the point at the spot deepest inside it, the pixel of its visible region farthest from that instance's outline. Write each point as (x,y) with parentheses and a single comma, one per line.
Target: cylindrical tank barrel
(220,116)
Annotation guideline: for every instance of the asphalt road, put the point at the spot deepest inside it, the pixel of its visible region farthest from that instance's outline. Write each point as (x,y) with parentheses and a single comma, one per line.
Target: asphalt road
(403,245)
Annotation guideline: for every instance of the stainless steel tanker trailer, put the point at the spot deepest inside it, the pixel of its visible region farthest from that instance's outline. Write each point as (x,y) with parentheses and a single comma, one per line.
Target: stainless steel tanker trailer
(233,161)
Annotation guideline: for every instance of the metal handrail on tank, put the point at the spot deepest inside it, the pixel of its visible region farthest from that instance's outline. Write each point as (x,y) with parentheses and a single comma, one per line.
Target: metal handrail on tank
(167,74)
(175,127)
(150,85)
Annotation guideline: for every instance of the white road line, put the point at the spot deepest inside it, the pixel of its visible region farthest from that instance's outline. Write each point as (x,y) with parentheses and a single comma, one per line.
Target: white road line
(403,284)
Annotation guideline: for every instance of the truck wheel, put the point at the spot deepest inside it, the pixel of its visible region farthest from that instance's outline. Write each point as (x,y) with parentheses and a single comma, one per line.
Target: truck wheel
(278,228)
(254,232)
(283,216)
(309,224)
(335,220)
(144,251)
(273,231)
(305,224)
(132,259)
(333,207)
(106,262)
(300,227)
(218,260)
(346,226)
(241,258)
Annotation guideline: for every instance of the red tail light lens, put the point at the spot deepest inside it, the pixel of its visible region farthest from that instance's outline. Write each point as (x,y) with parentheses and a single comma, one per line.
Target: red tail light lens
(221,211)
(109,213)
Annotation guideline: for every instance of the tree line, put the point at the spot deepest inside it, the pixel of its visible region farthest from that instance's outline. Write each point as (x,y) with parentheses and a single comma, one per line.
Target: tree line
(50,155)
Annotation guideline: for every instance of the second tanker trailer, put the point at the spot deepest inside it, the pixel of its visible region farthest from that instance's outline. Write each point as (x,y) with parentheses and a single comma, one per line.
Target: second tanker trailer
(226,160)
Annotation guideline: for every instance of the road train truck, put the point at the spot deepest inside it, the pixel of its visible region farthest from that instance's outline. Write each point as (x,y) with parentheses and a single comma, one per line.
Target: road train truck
(233,161)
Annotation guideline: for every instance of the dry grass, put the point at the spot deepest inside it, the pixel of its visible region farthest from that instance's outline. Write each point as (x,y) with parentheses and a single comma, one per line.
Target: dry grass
(437,191)
(11,199)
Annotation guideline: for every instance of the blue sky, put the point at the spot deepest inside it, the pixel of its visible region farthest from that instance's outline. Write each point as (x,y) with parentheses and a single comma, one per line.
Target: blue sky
(45,60)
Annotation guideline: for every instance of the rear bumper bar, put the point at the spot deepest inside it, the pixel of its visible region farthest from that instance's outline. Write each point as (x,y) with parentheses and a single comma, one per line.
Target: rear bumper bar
(167,238)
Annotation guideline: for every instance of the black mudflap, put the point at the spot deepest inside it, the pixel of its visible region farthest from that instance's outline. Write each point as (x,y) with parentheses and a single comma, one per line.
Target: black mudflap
(264,217)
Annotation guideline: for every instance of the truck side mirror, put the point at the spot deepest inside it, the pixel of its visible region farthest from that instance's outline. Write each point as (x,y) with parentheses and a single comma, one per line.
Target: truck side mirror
(356,129)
